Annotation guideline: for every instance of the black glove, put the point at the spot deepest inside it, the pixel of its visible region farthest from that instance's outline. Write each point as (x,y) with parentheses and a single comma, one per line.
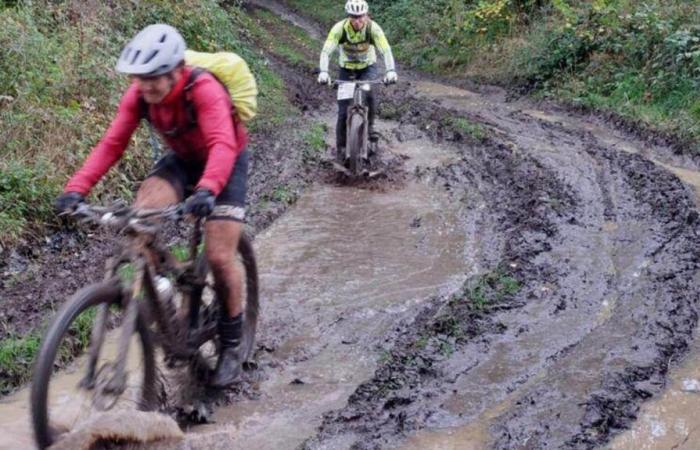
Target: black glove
(200,204)
(68,202)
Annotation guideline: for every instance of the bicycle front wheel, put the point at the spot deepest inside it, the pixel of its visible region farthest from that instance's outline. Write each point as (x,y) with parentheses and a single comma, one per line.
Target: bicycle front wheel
(355,141)
(59,405)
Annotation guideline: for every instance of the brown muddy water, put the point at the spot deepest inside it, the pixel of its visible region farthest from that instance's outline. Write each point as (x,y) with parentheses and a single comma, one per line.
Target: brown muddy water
(338,272)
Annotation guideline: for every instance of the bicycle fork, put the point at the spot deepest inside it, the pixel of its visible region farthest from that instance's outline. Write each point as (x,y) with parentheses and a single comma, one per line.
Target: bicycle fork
(116,384)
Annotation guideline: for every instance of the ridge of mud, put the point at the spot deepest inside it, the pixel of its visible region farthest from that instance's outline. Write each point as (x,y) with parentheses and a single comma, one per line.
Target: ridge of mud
(616,404)
(653,136)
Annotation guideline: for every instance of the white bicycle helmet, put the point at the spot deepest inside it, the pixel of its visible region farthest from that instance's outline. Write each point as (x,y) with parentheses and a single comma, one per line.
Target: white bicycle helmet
(155,50)
(356,7)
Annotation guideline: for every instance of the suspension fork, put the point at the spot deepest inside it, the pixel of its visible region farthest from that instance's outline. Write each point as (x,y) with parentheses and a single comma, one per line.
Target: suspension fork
(98,332)
(117,383)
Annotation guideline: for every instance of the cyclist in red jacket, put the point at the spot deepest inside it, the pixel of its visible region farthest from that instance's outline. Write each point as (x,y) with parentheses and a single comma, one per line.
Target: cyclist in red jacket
(193,113)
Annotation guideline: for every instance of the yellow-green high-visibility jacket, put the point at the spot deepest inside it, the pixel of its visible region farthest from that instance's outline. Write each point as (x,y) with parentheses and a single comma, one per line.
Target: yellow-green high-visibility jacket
(357,48)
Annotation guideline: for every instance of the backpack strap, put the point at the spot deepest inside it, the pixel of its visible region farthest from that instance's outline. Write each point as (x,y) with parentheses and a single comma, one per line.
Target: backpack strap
(189,104)
(368,34)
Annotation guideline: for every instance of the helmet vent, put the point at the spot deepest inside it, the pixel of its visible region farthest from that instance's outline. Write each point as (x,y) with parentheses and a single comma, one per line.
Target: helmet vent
(163,38)
(151,56)
(136,55)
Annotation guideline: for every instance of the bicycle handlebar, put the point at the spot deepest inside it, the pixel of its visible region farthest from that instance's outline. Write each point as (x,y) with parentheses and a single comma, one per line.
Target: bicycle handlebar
(376,81)
(122,215)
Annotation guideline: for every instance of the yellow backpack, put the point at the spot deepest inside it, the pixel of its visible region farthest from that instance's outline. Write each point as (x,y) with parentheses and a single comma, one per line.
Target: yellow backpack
(233,72)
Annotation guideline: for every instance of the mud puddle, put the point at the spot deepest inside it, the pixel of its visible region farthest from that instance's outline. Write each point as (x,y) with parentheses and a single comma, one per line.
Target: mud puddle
(338,272)
(671,421)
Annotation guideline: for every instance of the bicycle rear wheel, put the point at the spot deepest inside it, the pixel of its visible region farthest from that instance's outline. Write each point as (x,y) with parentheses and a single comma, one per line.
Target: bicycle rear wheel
(53,412)
(207,329)
(252,301)
(355,141)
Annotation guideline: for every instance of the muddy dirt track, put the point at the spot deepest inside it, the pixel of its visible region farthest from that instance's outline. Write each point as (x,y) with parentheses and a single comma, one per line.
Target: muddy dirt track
(522,283)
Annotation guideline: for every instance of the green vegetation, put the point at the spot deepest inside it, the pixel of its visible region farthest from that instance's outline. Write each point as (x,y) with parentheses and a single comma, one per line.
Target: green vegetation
(25,191)
(492,288)
(295,47)
(459,318)
(467,127)
(283,194)
(16,358)
(638,59)
(315,139)
(59,91)
(17,354)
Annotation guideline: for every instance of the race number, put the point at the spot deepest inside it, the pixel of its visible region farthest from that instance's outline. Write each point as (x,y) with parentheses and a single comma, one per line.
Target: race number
(346,91)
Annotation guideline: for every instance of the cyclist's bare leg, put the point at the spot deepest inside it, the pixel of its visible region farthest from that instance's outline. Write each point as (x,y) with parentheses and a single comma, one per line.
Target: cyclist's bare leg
(221,237)
(156,192)
(221,245)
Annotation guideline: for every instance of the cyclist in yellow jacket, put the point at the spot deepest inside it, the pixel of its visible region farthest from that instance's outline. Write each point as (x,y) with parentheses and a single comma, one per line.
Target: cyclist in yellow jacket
(357,36)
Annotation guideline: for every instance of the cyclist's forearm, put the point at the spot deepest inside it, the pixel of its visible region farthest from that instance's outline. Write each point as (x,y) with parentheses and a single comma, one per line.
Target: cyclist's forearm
(324,61)
(94,168)
(326,53)
(389,60)
(332,42)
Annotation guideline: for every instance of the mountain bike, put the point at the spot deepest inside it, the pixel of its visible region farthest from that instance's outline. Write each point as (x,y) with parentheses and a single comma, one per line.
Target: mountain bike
(357,146)
(149,300)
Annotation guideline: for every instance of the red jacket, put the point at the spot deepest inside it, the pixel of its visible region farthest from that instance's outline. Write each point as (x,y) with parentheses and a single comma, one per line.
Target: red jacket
(216,140)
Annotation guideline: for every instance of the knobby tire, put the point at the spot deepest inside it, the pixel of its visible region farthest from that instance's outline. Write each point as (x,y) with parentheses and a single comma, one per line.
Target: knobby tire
(89,297)
(252,305)
(355,141)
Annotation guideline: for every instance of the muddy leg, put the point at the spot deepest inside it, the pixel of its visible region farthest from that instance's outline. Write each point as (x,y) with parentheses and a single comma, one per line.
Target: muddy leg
(221,246)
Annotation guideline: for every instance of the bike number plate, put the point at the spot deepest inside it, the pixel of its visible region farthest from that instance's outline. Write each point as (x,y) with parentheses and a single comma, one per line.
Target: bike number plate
(346,91)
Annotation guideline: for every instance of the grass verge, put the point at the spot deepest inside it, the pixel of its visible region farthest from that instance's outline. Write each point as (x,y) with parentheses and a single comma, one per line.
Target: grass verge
(17,354)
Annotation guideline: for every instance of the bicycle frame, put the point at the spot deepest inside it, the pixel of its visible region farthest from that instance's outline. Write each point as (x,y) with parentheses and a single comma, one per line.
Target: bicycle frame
(149,258)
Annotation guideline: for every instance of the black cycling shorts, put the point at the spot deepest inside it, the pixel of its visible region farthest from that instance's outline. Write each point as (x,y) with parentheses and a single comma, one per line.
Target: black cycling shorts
(184,175)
